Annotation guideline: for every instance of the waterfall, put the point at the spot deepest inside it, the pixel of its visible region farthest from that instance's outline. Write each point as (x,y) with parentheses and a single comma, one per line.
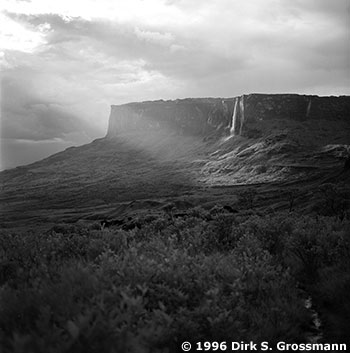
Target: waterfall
(241,106)
(234,117)
(308,108)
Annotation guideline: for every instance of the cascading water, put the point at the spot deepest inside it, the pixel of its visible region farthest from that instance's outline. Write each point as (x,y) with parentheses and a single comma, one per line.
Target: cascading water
(241,108)
(234,117)
(308,108)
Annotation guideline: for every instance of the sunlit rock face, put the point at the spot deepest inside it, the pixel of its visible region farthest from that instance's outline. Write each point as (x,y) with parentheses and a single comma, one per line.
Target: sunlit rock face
(218,117)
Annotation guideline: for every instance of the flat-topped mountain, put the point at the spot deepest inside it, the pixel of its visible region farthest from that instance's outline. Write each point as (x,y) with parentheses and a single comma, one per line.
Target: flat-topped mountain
(163,150)
(228,116)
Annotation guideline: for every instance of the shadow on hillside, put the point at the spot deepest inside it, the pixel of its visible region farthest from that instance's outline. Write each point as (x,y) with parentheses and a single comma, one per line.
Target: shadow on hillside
(102,173)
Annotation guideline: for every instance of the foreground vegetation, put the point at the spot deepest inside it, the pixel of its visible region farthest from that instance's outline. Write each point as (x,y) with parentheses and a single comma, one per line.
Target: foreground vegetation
(195,277)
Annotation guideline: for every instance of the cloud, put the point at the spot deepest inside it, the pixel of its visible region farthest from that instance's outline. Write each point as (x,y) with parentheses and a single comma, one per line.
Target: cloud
(155,37)
(29,117)
(225,37)
(64,63)
(13,36)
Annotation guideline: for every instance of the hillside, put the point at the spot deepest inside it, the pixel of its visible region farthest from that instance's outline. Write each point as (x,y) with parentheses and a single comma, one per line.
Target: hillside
(181,149)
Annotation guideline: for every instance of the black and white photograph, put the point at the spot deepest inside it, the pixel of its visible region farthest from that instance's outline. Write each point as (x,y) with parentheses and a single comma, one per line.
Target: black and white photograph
(174,176)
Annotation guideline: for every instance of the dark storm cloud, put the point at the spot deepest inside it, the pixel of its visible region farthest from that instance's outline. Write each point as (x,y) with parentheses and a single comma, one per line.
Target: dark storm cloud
(309,35)
(171,54)
(28,117)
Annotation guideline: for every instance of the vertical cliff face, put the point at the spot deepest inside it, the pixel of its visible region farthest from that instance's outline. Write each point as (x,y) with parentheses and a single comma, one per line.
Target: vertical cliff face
(296,107)
(222,117)
(187,116)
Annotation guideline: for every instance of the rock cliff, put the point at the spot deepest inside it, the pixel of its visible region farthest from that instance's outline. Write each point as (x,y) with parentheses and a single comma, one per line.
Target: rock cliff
(185,116)
(242,115)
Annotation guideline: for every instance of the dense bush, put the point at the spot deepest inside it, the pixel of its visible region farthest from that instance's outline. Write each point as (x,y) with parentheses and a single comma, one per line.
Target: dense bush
(188,278)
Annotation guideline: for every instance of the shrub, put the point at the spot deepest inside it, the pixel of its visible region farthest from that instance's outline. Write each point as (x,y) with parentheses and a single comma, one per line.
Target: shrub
(79,290)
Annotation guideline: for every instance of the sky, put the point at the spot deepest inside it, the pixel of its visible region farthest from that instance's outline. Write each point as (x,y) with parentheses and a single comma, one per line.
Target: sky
(65,62)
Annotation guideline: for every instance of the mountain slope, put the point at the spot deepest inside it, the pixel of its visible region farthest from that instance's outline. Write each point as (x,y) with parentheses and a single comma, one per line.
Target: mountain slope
(164,151)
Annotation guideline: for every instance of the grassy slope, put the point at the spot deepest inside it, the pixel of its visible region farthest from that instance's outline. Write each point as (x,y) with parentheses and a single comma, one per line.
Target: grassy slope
(105,174)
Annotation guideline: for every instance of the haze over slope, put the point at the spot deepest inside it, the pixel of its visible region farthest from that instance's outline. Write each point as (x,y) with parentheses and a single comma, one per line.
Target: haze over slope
(252,138)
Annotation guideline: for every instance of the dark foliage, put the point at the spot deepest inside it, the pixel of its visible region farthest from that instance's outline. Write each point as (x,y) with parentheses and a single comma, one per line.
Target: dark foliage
(173,279)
